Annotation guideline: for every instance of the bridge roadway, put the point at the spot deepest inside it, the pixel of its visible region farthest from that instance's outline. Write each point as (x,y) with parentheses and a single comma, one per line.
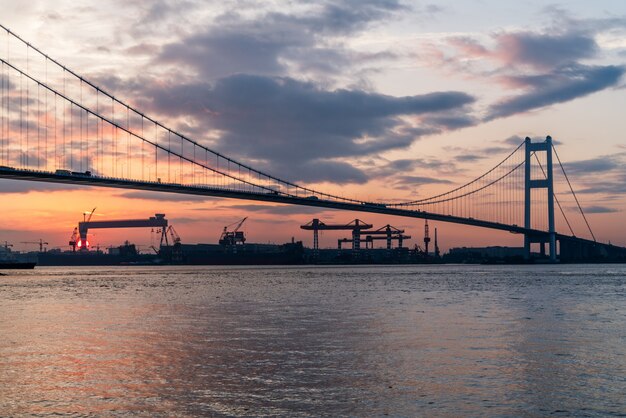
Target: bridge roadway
(119,183)
(275,197)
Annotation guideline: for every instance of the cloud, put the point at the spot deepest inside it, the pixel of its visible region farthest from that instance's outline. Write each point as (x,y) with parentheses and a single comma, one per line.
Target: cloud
(451,121)
(604,175)
(6,84)
(594,165)
(420,180)
(599,209)
(22,186)
(544,50)
(543,67)
(299,128)
(272,42)
(164,197)
(275,210)
(564,85)
(609,187)
(326,171)
(465,158)
(470,155)
(514,140)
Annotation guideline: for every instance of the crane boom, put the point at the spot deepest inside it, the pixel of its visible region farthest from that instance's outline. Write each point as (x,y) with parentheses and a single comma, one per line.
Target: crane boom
(240,224)
(90,215)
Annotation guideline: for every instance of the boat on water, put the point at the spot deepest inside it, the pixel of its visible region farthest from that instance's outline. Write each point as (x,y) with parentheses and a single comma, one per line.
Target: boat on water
(17,265)
(10,260)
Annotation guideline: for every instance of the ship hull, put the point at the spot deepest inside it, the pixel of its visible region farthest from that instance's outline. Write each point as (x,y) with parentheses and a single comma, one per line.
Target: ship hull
(15,265)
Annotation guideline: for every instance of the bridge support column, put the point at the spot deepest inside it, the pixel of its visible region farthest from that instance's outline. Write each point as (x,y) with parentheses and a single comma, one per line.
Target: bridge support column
(316,241)
(527,188)
(356,240)
(551,226)
(545,183)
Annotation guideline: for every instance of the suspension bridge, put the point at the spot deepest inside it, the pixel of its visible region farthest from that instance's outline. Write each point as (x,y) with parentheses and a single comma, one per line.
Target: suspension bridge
(57,126)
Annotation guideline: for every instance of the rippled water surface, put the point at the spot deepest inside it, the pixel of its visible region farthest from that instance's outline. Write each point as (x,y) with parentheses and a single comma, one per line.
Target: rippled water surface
(333,341)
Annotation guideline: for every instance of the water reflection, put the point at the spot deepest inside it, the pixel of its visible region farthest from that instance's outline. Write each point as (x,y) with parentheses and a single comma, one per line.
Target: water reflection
(308,342)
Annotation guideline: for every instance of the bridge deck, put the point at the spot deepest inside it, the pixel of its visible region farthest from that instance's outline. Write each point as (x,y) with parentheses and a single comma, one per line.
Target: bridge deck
(91,180)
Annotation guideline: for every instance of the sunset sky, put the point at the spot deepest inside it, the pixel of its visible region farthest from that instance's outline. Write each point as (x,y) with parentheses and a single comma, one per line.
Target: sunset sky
(373,99)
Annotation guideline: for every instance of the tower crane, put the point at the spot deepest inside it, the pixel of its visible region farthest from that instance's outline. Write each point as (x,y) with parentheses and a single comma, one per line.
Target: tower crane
(40,242)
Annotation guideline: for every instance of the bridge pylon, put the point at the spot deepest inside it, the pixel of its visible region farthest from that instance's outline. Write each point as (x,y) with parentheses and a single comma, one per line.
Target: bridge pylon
(545,183)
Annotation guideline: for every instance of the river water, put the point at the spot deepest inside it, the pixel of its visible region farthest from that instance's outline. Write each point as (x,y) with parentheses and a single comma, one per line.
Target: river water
(314,341)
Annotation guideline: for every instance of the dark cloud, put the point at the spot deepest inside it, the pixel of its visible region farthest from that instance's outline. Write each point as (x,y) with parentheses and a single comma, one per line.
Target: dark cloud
(564,85)
(392,171)
(514,140)
(594,165)
(349,16)
(544,50)
(275,210)
(420,180)
(469,158)
(22,186)
(325,171)
(451,122)
(608,187)
(164,197)
(469,155)
(300,128)
(222,53)
(599,209)
(604,175)
(6,84)
(544,67)
(269,44)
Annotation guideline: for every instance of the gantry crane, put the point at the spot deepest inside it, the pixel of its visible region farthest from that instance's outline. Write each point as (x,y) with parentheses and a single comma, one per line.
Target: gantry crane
(369,240)
(356,226)
(388,233)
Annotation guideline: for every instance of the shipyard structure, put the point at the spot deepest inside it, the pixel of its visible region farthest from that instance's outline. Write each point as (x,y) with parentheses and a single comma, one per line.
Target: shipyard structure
(232,247)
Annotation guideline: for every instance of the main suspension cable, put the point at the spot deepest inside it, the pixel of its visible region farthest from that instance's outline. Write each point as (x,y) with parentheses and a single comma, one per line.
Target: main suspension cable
(414,202)
(573,193)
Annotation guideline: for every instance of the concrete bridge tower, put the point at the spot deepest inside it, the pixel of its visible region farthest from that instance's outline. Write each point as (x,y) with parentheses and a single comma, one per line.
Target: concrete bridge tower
(545,183)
